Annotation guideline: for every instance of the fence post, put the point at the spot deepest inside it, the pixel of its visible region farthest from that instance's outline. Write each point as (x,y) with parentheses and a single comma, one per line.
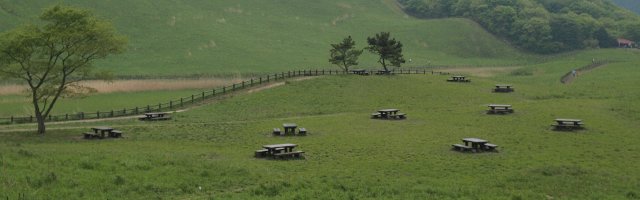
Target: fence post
(181,103)
(81,115)
(137,110)
(159,107)
(233,87)
(192,98)
(242,84)
(171,104)
(213,92)
(224,89)
(98,114)
(31,118)
(251,84)
(49,117)
(329,71)
(124,111)
(260,81)
(66,116)
(12,119)
(202,96)
(148,108)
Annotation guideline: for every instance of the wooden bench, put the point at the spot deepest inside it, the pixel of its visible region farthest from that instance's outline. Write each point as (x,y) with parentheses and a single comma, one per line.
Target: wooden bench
(490,147)
(462,148)
(90,135)
(115,134)
(401,116)
(375,115)
(261,153)
(500,111)
(302,131)
(276,131)
(567,127)
(287,155)
(160,118)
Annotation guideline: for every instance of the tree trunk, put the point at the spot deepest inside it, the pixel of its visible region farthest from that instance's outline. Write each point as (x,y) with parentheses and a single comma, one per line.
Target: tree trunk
(384,65)
(41,127)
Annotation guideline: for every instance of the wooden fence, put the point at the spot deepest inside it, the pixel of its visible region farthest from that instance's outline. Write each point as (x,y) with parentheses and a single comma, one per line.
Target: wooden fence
(183,102)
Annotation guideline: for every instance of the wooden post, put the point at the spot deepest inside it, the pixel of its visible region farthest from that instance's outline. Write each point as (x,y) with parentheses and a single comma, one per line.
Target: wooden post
(66,116)
(202,96)
(111,113)
(124,111)
(98,114)
(251,84)
(137,110)
(12,119)
(159,107)
(233,87)
(192,98)
(213,92)
(148,108)
(171,104)
(224,89)
(260,81)
(181,102)
(242,84)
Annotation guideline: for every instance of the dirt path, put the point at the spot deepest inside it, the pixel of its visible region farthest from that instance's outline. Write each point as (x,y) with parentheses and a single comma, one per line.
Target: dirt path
(570,77)
(21,127)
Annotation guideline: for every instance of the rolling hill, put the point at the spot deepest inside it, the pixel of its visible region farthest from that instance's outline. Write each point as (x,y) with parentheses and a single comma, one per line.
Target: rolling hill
(246,36)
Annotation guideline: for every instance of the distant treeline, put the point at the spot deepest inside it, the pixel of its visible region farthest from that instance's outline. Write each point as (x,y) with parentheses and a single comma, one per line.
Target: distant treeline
(542,26)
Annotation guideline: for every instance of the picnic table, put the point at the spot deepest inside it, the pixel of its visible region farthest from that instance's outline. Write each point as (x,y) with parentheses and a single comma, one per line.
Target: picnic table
(499,109)
(391,113)
(503,88)
(279,151)
(289,128)
(153,116)
(474,145)
(568,124)
(100,131)
(459,79)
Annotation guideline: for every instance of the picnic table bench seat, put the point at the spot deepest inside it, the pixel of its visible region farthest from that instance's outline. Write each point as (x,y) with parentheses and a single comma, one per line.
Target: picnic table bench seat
(116,133)
(261,153)
(302,131)
(500,111)
(286,155)
(375,115)
(90,135)
(460,147)
(490,147)
(401,115)
(276,131)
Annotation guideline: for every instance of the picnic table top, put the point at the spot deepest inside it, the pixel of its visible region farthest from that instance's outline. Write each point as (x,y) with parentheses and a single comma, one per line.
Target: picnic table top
(273,146)
(569,120)
(499,105)
(389,110)
(503,85)
(289,125)
(474,140)
(102,128)
(458,76)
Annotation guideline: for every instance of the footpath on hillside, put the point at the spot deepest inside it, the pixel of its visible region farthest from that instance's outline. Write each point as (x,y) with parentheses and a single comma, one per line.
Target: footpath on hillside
(572,75)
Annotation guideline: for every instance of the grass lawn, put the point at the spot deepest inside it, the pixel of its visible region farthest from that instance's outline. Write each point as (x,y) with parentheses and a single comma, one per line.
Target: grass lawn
(208,152)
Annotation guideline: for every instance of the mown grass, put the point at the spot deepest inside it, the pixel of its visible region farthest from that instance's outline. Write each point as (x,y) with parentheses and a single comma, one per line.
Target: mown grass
(180,38)
(207,152)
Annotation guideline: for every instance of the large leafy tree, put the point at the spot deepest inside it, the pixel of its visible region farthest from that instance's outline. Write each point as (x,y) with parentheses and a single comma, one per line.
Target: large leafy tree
(51,58)
(344,54)
(388,49)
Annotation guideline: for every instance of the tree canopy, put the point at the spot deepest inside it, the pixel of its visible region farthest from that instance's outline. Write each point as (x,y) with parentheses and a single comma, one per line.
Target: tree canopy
(55,55)
(542,26)
(344,54)
(389,50)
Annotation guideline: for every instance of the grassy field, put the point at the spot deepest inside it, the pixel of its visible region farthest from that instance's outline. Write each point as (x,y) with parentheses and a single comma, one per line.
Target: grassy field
(206,153)
(181,38)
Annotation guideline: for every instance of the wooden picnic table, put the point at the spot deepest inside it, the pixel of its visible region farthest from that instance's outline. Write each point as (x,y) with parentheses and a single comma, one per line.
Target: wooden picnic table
(102,130)
(503,88)
(499,109)
(386,113)
(271,148)
(156,116)
(476,143)
(458,79)
(569,121)
(289,128)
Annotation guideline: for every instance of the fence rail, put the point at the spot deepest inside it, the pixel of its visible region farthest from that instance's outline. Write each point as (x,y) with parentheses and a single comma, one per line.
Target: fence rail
(183,102)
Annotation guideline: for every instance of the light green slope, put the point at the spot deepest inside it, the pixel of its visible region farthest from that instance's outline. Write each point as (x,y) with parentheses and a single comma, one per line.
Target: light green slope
(250,36)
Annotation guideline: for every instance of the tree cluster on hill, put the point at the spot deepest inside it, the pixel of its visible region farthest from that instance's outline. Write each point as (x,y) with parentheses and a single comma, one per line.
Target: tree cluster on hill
(541,26)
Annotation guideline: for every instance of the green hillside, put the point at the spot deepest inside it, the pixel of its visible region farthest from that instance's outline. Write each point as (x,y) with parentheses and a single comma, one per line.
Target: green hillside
(632,5)
(207,152)
(249,36)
